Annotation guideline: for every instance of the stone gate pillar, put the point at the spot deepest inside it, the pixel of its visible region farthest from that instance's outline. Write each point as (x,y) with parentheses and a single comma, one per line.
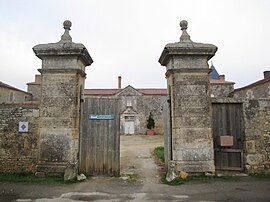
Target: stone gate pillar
(191,117)
(62,84)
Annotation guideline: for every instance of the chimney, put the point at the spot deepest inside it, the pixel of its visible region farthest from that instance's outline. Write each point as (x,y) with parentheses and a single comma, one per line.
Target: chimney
(119,82)
(37,78)
(221,77)
(266,74)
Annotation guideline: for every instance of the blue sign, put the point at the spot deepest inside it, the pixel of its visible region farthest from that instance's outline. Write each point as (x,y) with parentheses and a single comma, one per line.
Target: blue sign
(101,117)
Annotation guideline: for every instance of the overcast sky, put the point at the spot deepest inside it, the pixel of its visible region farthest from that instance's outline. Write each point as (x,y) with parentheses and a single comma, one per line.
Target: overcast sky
(125,38)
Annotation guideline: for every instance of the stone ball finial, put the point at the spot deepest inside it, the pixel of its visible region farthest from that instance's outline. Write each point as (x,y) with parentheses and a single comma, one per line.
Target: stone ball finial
(67,24)
(184,37)
(66,37)
(183,24)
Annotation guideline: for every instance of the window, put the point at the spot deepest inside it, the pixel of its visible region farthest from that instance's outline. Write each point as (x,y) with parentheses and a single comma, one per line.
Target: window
(129,101)
(129,118)
(11,96)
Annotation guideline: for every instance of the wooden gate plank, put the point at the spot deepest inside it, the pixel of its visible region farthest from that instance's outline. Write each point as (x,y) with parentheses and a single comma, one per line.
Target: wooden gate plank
(99,141)
(228,120)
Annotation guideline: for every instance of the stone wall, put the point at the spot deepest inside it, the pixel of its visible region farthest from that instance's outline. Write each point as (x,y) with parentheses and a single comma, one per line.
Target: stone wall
(12,95)
(220,90)
(18,150)
(35,88)
(256,104)
(141,107)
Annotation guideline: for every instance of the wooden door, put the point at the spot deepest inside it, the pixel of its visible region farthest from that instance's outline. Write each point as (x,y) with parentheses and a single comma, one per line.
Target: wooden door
(228,121)
(129,127)
(100,137)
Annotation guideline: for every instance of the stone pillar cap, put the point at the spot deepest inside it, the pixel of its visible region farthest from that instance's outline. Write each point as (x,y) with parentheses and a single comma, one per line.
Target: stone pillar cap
(186,47)
(65,47)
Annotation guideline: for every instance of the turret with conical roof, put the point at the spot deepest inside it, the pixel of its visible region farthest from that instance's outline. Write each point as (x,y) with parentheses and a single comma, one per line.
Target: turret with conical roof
(213,74)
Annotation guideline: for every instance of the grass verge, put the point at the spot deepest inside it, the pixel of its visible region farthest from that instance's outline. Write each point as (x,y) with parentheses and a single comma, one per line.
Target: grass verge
(31,178)
(261,176)
(159,152)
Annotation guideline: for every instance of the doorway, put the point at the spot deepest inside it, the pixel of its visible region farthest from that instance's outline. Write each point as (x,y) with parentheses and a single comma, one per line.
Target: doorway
(228,127)
(129,127)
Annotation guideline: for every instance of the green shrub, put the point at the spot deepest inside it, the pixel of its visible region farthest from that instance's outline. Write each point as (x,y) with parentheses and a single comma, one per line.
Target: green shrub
(159,152)
(150,122)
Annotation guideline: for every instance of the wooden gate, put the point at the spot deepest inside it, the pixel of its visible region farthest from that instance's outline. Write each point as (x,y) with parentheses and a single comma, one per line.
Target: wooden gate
(167,133)
(100,140)
(228,134)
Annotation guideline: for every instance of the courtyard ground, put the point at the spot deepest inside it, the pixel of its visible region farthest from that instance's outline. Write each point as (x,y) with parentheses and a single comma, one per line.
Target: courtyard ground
(140,182)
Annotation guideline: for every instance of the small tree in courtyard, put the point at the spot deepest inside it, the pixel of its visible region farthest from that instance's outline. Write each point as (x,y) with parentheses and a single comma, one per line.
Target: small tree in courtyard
(150,122)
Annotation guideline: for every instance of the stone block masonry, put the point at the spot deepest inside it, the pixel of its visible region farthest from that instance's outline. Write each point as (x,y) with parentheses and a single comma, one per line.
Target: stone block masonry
(18,150)
(62,77)
(256,106)
(190,104)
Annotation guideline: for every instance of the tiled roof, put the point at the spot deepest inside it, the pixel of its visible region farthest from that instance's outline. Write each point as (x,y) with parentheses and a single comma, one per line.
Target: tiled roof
(257,83)
(145,91)
(101,91)
(11,87)
(153,91)
(214,81)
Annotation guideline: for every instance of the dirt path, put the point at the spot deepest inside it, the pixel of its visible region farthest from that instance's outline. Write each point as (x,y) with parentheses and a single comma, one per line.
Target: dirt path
(137,158)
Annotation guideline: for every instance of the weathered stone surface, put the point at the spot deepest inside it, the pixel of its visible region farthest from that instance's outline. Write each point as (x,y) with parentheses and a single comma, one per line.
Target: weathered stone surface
(221,90)
(81,177)
(191,136)
(193,154)
(197,166)
(172,171)
(189,94)
(62,76)
(256,107)
(18,151)
(254,159)
(71,171)
(250,147)
(50,168)
(55,146)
